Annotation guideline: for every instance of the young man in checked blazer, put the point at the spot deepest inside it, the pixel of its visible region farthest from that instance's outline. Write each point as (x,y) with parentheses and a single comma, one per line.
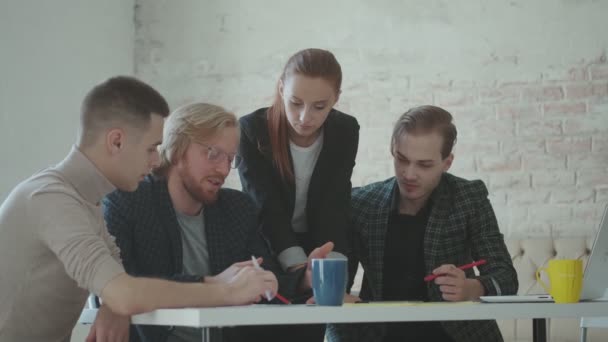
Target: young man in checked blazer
(426,221)
(181,224)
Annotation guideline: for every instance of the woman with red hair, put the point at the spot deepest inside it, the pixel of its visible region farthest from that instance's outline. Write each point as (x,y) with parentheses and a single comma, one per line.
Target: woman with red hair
(298,158)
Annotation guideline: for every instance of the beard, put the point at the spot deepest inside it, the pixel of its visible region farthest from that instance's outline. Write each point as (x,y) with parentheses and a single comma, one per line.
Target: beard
(195,188)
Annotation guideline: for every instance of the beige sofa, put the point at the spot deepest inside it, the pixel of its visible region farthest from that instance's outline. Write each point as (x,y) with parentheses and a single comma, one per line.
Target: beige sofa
(528,255)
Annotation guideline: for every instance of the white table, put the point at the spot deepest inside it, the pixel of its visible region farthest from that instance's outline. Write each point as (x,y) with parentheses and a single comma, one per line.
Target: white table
(358,313)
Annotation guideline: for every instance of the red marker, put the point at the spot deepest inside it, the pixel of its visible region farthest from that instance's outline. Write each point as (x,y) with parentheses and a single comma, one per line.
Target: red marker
(463,267)
(282,299)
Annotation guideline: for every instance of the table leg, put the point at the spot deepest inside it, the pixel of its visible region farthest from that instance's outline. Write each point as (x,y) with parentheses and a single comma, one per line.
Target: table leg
(539,330)
(206,334)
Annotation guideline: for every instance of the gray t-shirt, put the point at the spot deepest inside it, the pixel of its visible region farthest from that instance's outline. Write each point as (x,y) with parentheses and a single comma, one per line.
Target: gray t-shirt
(194,244)
(195,262)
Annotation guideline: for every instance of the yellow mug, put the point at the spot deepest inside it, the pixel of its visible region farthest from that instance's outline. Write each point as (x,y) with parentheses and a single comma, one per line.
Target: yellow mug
(566,279)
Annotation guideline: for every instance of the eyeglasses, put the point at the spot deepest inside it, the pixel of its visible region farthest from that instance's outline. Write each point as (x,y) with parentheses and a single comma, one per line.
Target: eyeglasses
(216,155)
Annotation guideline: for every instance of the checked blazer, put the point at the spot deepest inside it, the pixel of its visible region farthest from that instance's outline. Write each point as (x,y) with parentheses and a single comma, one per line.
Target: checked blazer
(148,234)
(461,228)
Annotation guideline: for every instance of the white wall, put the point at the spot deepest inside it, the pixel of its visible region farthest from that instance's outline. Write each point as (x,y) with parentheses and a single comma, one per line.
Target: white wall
(527,82)
(51,54)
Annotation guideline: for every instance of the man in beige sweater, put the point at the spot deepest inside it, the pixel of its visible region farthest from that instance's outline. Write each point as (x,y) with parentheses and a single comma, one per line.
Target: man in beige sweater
(54,246)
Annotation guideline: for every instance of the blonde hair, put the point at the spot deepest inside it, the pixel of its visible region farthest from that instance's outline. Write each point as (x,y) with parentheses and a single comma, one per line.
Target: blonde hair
(196,122)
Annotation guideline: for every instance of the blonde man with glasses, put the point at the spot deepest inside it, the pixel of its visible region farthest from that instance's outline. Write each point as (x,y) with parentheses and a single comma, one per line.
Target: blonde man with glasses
(181,224)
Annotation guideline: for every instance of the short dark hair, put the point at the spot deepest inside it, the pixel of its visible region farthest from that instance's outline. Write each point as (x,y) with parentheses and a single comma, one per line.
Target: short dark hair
(427,119)
(122,98)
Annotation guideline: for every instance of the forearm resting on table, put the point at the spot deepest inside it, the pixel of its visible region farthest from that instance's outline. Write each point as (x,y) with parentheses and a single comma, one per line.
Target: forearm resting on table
(127,295)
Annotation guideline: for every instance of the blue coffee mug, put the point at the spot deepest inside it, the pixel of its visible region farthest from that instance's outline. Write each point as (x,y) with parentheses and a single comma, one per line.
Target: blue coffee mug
(329,278)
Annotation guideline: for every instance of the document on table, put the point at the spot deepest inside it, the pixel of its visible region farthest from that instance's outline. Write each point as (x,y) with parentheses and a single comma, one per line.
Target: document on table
(406,303)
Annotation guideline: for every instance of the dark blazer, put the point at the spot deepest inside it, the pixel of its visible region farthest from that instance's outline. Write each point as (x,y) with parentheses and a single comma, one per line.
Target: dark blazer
(329,192)
(461,228)
(145,226)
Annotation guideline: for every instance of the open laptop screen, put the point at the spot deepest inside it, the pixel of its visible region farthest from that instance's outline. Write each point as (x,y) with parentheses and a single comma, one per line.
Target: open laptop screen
(595,279)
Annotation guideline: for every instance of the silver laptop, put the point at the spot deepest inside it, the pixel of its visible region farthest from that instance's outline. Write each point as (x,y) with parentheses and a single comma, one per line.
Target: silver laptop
(595,278)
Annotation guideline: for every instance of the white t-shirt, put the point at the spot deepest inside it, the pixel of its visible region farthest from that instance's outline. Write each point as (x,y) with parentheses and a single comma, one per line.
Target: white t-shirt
(304,161)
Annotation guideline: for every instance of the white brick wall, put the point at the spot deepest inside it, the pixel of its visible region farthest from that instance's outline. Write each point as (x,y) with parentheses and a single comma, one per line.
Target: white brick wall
(526,81)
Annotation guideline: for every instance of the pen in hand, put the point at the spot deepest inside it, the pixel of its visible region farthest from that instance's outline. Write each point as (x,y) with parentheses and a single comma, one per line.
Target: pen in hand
(463,267)
(257,267)
(268,294)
